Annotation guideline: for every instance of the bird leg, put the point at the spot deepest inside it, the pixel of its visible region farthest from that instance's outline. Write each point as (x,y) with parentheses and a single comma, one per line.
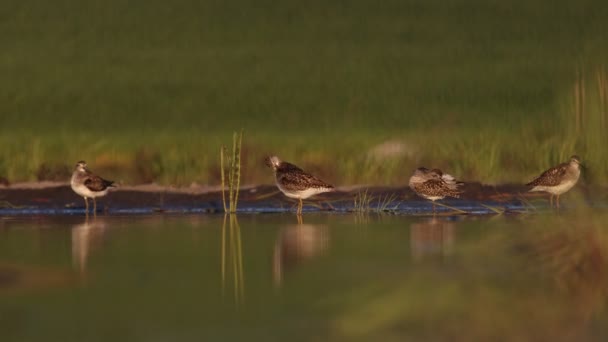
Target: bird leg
(433,207)
(94,206)
(300,207)
(86,205)
(557,201)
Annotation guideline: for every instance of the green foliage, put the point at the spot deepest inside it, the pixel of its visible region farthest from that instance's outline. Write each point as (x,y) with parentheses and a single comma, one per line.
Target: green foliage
(584,118)
(364,203)
(491,91)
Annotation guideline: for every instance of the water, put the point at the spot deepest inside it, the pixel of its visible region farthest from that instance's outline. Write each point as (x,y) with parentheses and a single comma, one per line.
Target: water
(332,277)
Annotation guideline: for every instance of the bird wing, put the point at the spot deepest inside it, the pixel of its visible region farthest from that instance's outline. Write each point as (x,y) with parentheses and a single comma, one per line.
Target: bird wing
(96,183)
(551,177)
(436,187)
(451,181)
(298,180)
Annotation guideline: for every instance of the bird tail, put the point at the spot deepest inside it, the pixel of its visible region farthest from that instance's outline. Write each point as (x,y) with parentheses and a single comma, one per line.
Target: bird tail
(451,181)
(329,188)
(109,184)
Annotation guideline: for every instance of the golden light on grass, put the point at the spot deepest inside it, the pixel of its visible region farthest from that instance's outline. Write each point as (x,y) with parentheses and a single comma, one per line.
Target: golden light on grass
(234,173)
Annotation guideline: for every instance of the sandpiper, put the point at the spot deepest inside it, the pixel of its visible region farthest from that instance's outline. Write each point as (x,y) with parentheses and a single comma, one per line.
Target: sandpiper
(434,184)
(558,179)
(295,182)
(88,185)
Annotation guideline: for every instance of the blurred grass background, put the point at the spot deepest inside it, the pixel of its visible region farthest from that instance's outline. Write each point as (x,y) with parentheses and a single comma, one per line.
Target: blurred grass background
(356,91)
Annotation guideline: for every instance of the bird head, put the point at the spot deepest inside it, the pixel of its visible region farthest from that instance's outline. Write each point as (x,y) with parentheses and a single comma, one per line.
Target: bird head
(272,162)
(81,166)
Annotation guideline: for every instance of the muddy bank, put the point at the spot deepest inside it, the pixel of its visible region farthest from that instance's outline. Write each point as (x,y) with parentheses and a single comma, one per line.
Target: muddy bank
(58,198)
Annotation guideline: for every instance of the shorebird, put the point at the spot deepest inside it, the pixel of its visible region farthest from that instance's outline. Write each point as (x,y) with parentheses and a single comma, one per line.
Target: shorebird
(434,184)
(558,179)
(295,182)
(88,185)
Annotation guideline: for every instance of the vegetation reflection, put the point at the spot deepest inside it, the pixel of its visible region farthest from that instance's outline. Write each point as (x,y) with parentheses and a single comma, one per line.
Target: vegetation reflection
(232,256)
(548,282)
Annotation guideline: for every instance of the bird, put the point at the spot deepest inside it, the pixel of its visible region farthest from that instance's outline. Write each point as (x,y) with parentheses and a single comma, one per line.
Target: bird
(88,185)
(558,179)
(434,184)
(295,182)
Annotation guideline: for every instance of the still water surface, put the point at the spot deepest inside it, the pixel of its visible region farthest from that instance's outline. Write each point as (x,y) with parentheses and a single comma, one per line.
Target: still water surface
(329,278)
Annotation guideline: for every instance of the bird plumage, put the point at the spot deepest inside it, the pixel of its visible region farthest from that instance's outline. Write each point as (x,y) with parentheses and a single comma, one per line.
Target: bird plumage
(434,184)
(295,182)
(96,183)
(88,185)
(551,177)
(558,179)
(435,189)
(293,178)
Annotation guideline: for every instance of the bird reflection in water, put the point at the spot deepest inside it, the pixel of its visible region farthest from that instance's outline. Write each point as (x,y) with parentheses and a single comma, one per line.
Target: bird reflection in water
(85,237)
(295,245)
(432,238)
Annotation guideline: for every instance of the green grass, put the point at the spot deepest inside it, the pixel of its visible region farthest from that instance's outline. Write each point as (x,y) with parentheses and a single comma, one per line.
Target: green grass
(365,203)
(147,91)
(230,167)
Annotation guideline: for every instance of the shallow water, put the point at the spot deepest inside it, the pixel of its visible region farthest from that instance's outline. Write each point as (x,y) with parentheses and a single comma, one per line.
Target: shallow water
(332,277)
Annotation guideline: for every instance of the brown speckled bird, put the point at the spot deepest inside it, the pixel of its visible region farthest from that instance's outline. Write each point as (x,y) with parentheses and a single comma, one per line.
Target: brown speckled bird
(295,182)
(558,179)
(88,185)
(434,184)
